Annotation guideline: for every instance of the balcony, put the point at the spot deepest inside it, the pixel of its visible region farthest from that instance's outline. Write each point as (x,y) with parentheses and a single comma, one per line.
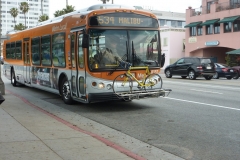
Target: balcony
(226,6)
(218,8)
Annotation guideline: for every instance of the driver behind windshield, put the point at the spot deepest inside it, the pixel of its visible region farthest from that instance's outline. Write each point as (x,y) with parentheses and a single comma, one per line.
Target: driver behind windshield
(109,54)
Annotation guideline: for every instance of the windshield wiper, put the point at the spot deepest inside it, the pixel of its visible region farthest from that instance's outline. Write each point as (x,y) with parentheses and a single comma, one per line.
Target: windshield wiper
(122,59)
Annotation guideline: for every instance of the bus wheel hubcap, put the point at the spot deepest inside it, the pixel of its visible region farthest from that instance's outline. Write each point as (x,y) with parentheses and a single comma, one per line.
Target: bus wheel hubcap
(66,90)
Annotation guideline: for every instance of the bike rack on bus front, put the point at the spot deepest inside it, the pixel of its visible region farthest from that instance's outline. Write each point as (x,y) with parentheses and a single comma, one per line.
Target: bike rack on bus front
(145,94)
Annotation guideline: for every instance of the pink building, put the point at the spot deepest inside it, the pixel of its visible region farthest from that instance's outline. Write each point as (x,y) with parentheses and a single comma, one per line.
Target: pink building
(172,44)
(213,29)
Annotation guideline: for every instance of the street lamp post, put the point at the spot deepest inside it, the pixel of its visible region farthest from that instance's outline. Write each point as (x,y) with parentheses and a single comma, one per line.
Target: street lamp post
(2,87)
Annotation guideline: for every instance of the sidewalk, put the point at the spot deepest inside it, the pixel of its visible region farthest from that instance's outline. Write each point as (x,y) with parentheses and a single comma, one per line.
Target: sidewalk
(29,134)
(33,129)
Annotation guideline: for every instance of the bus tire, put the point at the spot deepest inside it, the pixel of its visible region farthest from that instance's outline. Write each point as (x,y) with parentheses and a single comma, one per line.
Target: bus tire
(66,91)
(13,78)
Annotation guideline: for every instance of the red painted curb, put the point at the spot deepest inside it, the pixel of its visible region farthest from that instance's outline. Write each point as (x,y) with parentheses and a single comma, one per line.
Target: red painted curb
(105,141)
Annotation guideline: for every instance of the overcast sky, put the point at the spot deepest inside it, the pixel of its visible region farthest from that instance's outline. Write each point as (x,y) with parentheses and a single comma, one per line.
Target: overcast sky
(162,5)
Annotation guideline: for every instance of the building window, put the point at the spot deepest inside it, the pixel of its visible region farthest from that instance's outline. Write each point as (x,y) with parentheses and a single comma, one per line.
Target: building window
(235,3)
(209,5)
(173,23)
(199,30)
(209,29)
(162,22)
(169,23)
(236,25)
(179,23)
(227,27)
(216,28)
(193,31)
(165,42)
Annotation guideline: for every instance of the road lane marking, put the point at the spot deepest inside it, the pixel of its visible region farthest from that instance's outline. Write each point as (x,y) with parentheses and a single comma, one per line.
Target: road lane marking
(213,105)
(205,91)
(206,85)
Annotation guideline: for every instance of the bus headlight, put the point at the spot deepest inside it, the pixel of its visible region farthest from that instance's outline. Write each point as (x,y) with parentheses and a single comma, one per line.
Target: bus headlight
(109,86)
(101,85)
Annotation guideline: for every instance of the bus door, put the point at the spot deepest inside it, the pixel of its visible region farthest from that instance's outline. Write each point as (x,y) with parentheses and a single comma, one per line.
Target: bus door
(26,57)
(78,71)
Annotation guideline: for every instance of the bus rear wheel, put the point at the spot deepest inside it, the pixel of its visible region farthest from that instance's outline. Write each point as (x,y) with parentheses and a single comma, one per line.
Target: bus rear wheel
(13,78)
(66,91)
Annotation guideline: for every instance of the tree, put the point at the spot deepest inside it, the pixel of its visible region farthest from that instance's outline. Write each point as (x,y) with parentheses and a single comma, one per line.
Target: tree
(69,9)
(19,27)
(43,18)
(104,1)
(14,13)
(59,13)
(24,7)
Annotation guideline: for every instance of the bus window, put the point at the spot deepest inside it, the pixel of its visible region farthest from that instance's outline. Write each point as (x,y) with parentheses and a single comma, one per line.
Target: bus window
(13,50)
(18,50)
(145,47)
(45,50)
(35,48)
(80,52)
(72,50)
(8,51)
(105,45)
(58,47)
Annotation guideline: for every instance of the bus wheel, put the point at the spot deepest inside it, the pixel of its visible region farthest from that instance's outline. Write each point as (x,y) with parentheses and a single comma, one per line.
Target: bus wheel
(13,78)
(66,91)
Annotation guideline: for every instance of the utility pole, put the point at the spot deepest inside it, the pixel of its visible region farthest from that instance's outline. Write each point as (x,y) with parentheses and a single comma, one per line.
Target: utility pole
(112,1)
(66,3)
(2,87)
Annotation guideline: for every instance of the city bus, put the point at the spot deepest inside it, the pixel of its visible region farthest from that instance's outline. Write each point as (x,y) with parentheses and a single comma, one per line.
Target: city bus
(61,55)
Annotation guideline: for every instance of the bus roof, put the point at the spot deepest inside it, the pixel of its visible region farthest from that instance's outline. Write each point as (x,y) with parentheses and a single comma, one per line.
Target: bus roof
(82,11)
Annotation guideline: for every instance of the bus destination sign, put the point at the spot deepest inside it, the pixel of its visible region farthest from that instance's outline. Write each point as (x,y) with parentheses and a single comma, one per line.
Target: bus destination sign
(123,19)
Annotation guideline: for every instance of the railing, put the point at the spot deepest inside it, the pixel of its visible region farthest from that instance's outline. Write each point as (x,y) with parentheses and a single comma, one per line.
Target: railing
(200,11)
(219,7)
(226,6)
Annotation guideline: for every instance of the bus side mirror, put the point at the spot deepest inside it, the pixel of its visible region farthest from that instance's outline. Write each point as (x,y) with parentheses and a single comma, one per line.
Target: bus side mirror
(85,41)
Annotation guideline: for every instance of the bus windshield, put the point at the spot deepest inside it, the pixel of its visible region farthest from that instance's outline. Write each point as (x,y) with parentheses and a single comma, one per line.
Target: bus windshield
(139,47)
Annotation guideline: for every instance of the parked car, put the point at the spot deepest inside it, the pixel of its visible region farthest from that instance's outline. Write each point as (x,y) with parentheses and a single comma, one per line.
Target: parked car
(2,61)
(191,67)
(223,70)
(237,68)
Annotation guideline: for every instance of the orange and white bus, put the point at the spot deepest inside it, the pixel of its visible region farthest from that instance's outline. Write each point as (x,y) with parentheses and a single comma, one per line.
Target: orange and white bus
(60,55)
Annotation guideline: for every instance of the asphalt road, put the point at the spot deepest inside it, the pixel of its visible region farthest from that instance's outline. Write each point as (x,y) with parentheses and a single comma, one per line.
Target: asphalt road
(200,119)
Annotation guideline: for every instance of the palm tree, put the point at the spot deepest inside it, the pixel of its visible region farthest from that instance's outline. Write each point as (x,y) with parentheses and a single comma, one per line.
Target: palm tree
(19,27)
(14,13)
(59,13)
(24,7)
(104,1)
(43,18)
(69,9)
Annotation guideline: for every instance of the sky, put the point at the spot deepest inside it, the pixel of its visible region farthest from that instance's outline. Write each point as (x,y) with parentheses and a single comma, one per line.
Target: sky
(161,5)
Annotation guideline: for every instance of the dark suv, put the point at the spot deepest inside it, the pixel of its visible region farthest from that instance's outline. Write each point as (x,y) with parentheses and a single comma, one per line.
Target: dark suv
(191,67)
